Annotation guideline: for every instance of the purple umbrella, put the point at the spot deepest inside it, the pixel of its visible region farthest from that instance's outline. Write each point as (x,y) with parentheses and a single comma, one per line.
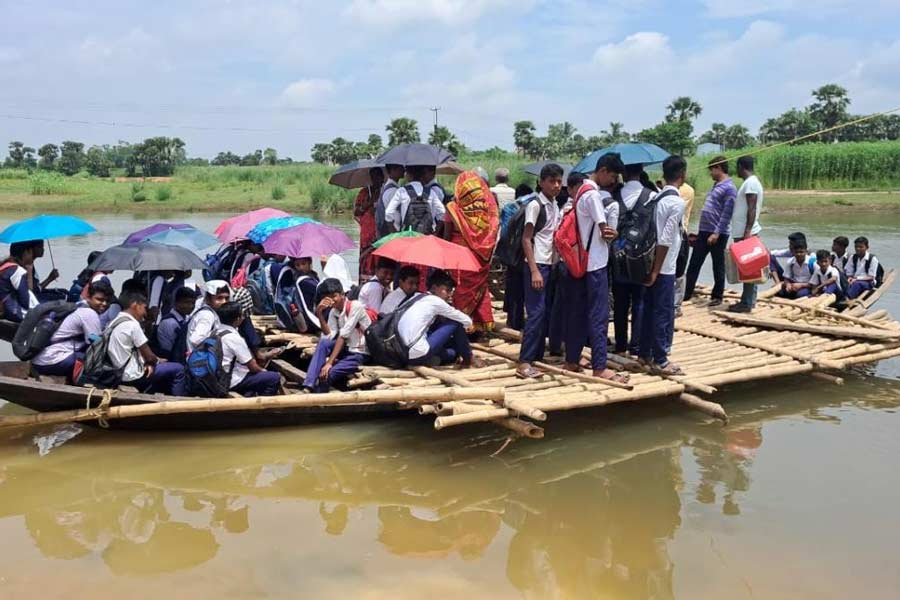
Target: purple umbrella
(307,241)
(140,236)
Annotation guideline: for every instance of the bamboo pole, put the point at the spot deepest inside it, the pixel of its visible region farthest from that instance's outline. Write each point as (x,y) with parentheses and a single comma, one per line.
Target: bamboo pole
(448,378)
(871,358)
(828,377)
(853,332)
(471,417)
(523,428)
(525,408)
(761,373)
(713,409)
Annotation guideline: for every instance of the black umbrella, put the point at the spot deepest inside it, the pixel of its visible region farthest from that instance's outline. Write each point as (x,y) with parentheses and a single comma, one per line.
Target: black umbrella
(424,155)
(355,174)
(535,168)
(147,256)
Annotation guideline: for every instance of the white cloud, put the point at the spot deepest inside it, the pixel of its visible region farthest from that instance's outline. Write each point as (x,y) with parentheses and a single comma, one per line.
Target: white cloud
(307,92)
(398,12)
(636,52)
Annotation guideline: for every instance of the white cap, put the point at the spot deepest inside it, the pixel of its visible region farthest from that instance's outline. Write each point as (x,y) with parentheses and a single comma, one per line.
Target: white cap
(212,287)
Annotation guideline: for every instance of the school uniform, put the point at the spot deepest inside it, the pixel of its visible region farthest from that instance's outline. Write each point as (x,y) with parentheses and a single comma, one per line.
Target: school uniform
(399,203)
(236,355)
(537,322)
(68,343)
(628,296)
(167,333)
(818,278)
(393,301)
(434,332)
(202,324)
(382,225)
(659,299)
(514,296)
(15,295)
(715,218)
(840,262)
(350,324)
(125,337)
(372,294)
(798,272)
(856,267)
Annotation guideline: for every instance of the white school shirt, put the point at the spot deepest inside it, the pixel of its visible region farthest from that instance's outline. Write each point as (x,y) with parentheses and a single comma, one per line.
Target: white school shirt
(840,262)
(544,250)
(15,281)
(669,216)
(372,294)
(860,270)
(203,323)
(392,301)
(591,213)
(799,273)
(236,352)
(396,209)
(818,278)
(751,185)
(387,194)
(72,335)
(631,191)
(416,321)
(437,189)
(124,340)
(351,324)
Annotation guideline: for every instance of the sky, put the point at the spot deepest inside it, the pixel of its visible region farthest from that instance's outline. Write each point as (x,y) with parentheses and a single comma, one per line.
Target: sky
(286,74)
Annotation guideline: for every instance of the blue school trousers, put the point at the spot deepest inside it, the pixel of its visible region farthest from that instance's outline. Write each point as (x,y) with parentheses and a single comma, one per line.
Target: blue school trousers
(535,334)
(63,368)
(597,283)
(857,288)
(514,299)
(447,341)
(627,297)
(346,365)
(576,330)
(556,325)
(659,319)
(259,384)
(167,378)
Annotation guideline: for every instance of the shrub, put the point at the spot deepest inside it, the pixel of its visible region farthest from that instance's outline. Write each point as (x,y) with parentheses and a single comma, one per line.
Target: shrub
(137,192)
(328,198)
(13,174)
(278,192)
(163,193)
(46,183)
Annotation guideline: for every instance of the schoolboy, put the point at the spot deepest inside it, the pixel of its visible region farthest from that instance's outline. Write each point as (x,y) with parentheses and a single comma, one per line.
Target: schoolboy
(840,255)
(407,285)
(372,293)
(248,378)
(797,273)
(628,296)
(205,321)
(169,326)
(826,279)
(861,269)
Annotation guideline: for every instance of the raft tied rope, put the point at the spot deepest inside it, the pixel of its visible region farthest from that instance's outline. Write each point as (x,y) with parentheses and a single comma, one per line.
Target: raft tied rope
(102,409)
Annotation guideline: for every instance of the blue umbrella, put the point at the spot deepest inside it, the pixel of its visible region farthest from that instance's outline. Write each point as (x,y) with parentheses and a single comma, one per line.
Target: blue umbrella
(632,153)
(45,227)
(263,230)
(192,238)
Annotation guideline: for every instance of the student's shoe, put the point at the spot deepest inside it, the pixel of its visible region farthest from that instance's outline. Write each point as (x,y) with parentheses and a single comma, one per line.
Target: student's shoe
(739,308)
(715,302)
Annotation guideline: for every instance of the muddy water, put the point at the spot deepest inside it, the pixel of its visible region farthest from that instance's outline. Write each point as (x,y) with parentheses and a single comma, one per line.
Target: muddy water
(795,498)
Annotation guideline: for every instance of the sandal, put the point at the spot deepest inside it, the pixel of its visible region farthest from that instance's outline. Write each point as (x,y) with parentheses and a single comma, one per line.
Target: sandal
(670,369)
(529,372)
(573,368)
(616,377)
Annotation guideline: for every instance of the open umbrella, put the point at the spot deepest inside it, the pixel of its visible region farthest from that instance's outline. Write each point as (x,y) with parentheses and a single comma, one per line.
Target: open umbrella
(430,251)
(45,227)
(631,153)
(354,174)
(424,155)
(308,240)
(148,232)
(236,228)
(147,256)
(263,230)
(192,239)
(535,168)
(393,236)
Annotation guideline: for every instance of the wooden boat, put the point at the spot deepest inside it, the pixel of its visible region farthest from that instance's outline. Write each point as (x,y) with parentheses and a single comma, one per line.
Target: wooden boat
(51,394)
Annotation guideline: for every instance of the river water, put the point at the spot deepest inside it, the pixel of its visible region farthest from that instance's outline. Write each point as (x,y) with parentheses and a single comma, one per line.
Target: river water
(795,498)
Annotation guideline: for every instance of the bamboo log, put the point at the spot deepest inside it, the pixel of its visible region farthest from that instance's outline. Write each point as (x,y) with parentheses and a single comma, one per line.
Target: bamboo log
(713,409)
(853,332)
(301,340)
(828,377)
(523,428)
(471,417)
(524,408)
(290,372)
(206,405)
(886,283)
(448,378)
(427,409)
(388,373)
(760,373)
(871,358)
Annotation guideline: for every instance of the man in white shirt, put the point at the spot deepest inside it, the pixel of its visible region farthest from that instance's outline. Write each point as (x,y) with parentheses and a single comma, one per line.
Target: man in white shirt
(407,285)
(659,299)
(391,186)
(433,330)
(248,378)
(540,255)
(372,292)
(861,269)
(341,350)
(501,189)
(205,321)
(128,349)
(397,209)
(745,222)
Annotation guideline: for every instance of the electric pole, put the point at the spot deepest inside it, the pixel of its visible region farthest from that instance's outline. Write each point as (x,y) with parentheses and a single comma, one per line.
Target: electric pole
(435,111)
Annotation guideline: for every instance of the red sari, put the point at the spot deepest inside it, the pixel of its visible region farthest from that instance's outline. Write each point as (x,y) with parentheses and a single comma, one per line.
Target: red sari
(476,224)
(364,213)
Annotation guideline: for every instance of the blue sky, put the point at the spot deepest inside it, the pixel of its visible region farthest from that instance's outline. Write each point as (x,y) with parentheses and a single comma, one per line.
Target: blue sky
(288,73)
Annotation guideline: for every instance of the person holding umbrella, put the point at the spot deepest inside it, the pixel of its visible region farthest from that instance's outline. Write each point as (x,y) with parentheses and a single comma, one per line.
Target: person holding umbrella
(16,292)
(388,190)
(364,214)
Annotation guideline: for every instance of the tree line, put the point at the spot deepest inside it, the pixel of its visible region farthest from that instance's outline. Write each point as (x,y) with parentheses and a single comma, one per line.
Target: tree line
(400,131)
(154,157)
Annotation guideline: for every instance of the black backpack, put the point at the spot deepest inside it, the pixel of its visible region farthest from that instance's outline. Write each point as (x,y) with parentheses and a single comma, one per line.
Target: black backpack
(98,370)
(879,271)
(180,334)
(509,247)
(206,375)
(418,213)
(180,347)
(636,250)
(383,340)
(37,328)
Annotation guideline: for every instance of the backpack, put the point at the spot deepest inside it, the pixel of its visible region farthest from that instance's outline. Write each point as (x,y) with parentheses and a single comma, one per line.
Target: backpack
(382,226)
(205,373)
(37,328)
(418,213)
(98,371)
(879,270)
(219,263)
(636,250)
(260,290)
(568,240)
(292,311)
(383,340)
(180,347)
(180,334)
(626,220)
(509,248)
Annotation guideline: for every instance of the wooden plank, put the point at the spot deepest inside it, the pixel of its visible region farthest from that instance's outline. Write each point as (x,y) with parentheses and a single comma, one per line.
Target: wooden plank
(785,325)
(290,372)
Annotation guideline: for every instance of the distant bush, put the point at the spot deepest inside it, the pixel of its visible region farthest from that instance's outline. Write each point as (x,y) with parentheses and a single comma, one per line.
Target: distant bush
(47,183)
(278,191)
(330,199)
(163,193)
(137,192)
(13,174)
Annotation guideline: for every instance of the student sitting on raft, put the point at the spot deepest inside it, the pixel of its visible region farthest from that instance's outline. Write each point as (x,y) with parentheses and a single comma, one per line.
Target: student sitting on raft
(861,269)
(167,332)
(840,256)
(797,273)
(372,293)
(68,343)
(795,240)
(407,285)
(205,321)
(16,291)
(826,279)
(248,378)
(342,348)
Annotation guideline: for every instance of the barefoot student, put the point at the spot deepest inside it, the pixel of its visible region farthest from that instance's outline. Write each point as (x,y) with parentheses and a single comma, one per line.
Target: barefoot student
(861,269)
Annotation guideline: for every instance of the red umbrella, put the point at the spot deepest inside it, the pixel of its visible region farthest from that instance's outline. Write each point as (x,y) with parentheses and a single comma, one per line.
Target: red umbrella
(239,226)
(430,251)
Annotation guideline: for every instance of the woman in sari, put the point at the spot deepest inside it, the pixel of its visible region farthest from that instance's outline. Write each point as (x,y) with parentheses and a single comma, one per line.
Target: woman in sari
(364,213)
(473,221)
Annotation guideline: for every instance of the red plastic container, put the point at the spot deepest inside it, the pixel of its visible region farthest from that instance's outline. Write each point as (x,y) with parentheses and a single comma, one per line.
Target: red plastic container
(751,258)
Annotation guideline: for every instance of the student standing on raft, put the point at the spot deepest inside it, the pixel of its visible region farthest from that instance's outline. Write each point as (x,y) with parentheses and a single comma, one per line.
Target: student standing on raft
(745,222)
(540,255)
(364,213)
(397,211)
(382,225)
(659,299)
(715,226)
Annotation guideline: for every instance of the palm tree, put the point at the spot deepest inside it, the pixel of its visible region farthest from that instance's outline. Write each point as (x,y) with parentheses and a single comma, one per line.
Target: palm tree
(402,131)
(683,108)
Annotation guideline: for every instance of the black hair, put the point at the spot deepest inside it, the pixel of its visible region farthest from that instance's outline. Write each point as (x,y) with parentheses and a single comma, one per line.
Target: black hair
(18,249)
(674,168)
(439,277)
(127,299)
(612,162)
(230,312)
(133,285)
(798,238)
(374,170)
(523,189)
(386,263)
(101,287)
(634,171)
(721,162)
(861,240)
(551,171)
(823,254)
(330,287)
(842,241)
(745,162)
(799,244)
(185,293)
(647,183)
(574,181)
(408,272)
(416,172)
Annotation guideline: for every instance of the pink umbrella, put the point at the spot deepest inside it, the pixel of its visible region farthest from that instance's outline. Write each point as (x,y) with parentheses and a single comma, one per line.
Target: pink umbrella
(308,240)
(237,227)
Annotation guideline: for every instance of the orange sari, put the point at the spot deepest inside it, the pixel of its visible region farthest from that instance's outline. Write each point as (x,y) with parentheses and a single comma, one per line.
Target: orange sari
(367,232)
(476,221)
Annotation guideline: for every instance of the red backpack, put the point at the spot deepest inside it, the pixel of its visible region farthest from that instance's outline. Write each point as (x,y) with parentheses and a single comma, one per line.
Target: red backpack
(568,241)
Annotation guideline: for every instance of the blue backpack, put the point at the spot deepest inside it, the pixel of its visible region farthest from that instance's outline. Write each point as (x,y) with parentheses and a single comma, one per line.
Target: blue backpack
(219,264)
(259,284)
(205,372)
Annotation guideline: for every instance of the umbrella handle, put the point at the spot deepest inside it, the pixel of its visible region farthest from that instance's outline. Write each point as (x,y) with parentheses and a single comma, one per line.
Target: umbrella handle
(50,248)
